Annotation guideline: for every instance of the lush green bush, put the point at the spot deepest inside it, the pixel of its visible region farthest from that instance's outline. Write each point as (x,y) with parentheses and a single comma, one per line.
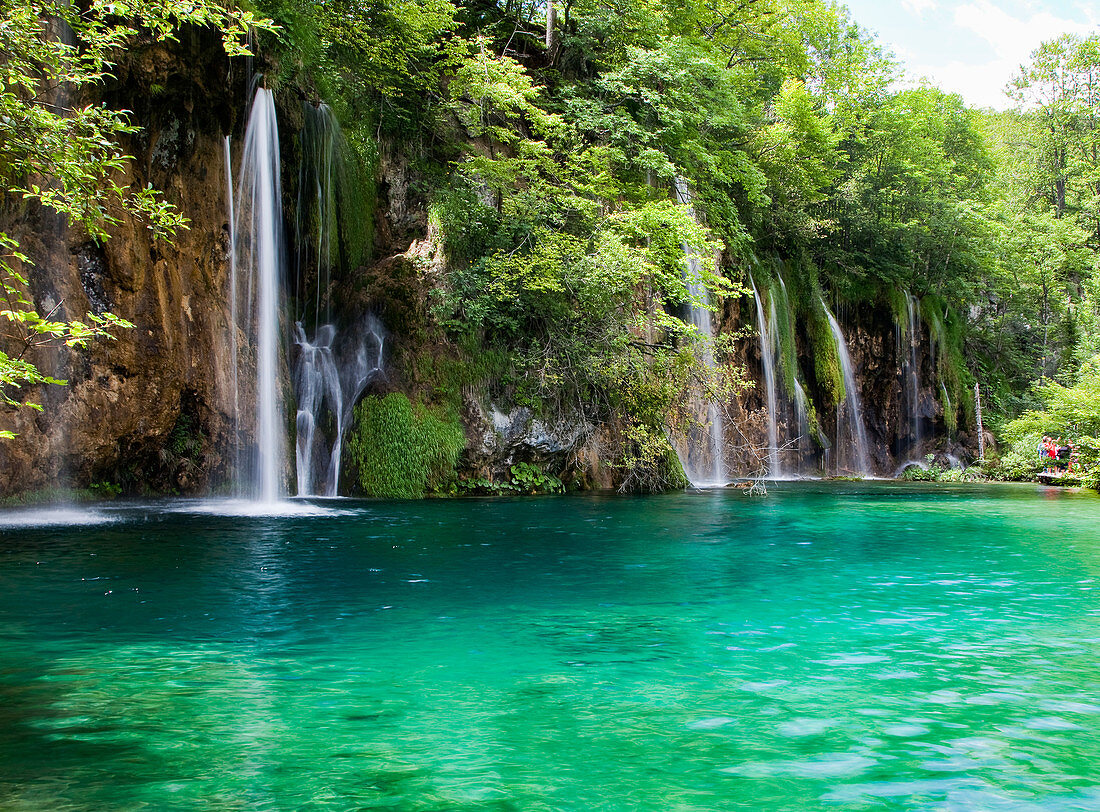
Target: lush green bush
(1069,412)
(400,449)
(1021,462)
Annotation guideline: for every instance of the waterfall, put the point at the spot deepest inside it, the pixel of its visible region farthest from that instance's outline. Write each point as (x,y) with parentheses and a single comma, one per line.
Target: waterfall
(801,401)
(912,377)
(947,407)
(768,353)
(334,366)
(701,319)
(255,290)
(851,404)
(328,381)
(233,340)
(322,143)
(802,411)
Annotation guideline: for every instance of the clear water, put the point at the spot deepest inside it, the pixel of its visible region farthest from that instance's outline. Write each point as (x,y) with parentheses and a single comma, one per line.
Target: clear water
(872,646)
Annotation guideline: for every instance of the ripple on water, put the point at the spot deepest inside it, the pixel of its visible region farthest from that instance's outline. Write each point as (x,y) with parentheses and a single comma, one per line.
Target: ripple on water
(854,659)
(825,765)
(712,723)
(800,728)
(928,788)
(906,731)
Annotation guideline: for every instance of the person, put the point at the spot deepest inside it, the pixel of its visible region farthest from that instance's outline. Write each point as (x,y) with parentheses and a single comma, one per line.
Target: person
(1062,455)
(1046,453)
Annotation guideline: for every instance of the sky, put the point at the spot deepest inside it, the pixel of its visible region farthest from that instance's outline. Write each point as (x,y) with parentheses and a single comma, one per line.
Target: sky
(971,47)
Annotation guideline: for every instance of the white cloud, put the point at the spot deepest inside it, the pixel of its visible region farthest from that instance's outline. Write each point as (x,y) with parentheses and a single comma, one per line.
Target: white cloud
(979,85)
(1013,38)
(919,7)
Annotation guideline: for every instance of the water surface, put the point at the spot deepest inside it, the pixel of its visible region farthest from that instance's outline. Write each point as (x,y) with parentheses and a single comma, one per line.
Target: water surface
(831,646)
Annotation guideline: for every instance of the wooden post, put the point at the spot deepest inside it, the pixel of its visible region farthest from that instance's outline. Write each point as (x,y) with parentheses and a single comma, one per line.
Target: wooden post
(978,414)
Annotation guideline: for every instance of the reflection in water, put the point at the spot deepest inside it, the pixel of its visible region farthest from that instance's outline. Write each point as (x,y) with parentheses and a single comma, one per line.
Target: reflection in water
(863,645)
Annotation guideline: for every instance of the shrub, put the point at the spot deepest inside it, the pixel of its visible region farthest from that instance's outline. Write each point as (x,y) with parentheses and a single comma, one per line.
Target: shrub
(400,449)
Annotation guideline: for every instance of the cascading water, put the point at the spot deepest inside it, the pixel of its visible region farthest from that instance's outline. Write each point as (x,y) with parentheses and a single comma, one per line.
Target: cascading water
(334,366)
(851,406)
(801,401)
(912,377)
(327,381)
(768,357)
(232,221)
(316,216)
(255,289)
(701,319)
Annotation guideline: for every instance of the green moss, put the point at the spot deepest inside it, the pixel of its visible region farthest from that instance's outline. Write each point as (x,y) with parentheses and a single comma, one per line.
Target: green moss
(400,449)
(897,299)
(947,329)
(444,376)
(827,371)
(673,470)
(784,335)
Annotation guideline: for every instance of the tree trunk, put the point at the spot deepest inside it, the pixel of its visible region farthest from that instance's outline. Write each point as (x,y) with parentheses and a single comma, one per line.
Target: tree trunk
(551,19)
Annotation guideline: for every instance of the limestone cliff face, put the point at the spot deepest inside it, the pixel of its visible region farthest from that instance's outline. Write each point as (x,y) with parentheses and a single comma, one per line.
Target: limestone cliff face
(879,360)
(151,409)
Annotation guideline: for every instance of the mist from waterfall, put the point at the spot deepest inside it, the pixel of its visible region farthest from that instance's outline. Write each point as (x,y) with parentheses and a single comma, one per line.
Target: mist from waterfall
(256,273)
(695,460)
(850,410)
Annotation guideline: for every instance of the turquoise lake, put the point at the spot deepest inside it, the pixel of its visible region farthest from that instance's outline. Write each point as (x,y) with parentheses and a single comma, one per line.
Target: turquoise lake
(828,646)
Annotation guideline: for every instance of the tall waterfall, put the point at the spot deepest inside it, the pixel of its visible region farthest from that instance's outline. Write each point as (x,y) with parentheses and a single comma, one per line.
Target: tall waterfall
(768,357)
(695,468)
(851,406)
(255,289)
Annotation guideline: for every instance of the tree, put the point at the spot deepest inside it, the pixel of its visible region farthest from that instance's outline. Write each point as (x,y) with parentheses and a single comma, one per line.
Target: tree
(63,153)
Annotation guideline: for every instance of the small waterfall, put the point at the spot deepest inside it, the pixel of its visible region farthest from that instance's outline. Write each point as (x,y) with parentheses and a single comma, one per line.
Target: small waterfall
(317,233)
(802,413)
(701,319)
(255,289)
(768,357)
(334,366)
(328,383)
(912,377)
(947,407)
(851,405)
